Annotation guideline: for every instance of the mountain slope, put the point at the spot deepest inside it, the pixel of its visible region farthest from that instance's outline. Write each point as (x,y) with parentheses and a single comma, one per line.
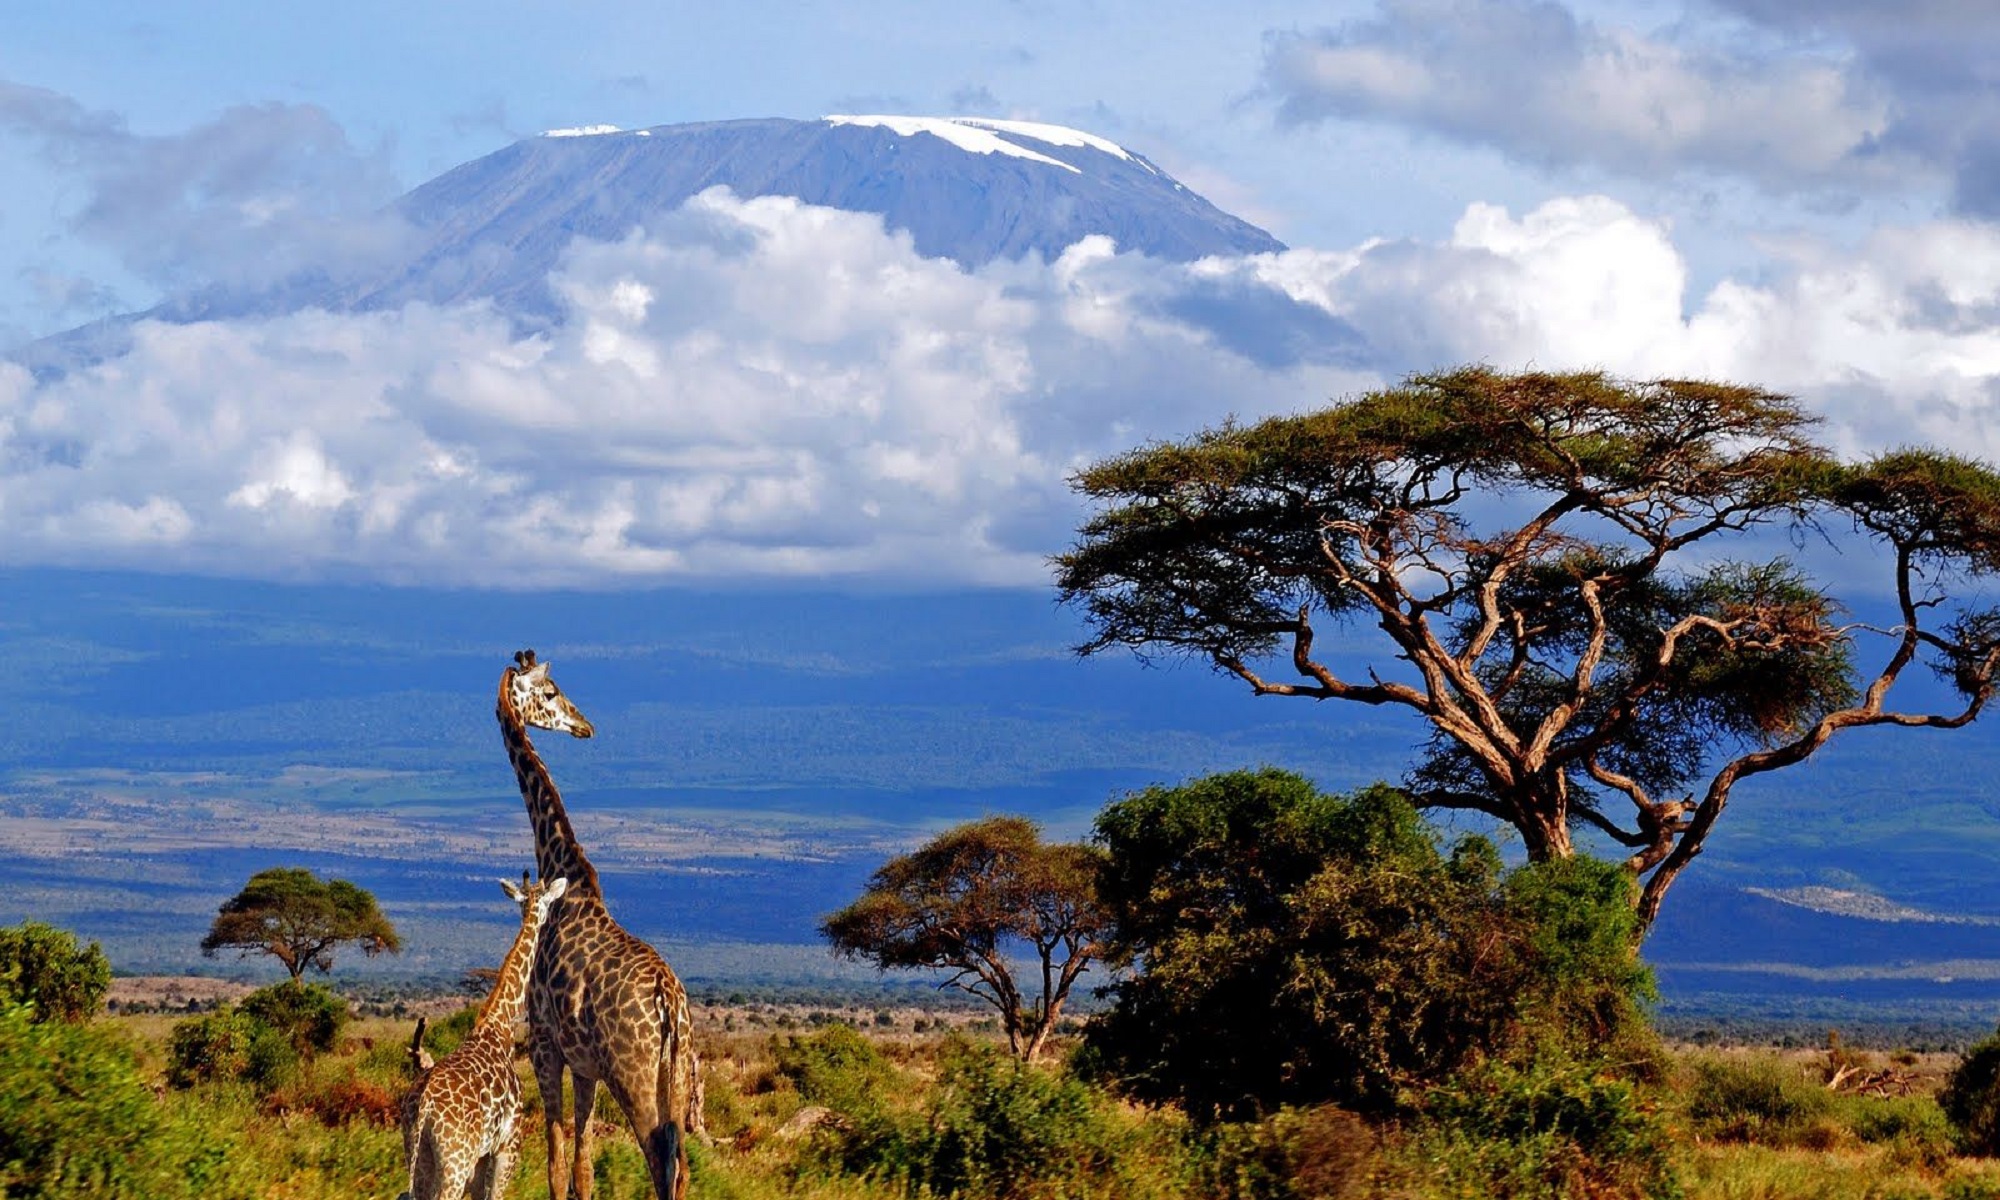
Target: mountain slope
(493,229)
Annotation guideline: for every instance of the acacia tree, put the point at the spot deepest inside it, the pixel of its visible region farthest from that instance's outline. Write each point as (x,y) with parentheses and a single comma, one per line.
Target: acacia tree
(298,919)
(1545,558)
(963,900)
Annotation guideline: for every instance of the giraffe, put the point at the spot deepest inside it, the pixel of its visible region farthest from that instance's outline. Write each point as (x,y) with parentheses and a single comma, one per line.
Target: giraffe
(602,1004)
(461,1118)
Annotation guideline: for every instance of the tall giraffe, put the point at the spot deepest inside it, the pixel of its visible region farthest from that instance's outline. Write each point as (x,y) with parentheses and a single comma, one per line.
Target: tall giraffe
(602,1004)
(461,1118)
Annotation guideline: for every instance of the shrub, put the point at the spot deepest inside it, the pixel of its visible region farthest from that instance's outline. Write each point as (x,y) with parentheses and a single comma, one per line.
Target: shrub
(42,966)
(209,1047)
(1321,1153)
(1971,1097)
(836,1067)
(308,1016)
(993,1129)
(1554,1128)
(272,1059)
(443,1037)
(77,1120)
(337,1101)
(1377,965)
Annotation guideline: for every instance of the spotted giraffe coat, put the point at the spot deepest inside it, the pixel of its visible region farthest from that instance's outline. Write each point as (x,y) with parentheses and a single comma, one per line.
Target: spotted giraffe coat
(603,1006)
(462,1118)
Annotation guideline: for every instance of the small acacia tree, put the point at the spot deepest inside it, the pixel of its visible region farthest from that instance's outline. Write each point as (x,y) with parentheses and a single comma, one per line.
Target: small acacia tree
(962,901)
(1545,559)
(298,918)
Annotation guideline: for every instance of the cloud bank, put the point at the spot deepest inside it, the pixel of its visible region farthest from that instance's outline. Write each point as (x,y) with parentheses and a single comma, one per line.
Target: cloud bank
(1832,99)
(762,390)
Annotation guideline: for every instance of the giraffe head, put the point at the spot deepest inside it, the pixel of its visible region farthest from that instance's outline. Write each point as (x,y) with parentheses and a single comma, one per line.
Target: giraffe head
(536,899)
(540,702)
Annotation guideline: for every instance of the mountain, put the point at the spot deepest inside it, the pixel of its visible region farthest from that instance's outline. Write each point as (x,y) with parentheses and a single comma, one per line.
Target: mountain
(967,189)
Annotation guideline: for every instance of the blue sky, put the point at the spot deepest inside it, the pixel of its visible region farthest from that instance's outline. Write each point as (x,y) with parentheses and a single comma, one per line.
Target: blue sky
(1805,196)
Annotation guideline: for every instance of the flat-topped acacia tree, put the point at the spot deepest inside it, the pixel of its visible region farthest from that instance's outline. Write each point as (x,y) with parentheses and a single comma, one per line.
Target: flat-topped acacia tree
(1546,562)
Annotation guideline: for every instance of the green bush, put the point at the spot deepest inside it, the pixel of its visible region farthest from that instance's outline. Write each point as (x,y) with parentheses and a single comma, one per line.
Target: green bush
(836,1067)
(42,966)
(1376,964)
(1971,1097)
(1551,1129)
(209,1047)
(992,1129)
(308,1016)
(78,1121)
(272,1059)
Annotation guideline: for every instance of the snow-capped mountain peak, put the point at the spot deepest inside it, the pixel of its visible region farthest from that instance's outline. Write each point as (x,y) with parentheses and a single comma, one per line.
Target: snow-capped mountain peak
(980,135)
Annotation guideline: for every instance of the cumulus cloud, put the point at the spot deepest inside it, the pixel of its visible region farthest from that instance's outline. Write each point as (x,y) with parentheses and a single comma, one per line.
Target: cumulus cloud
(759,389)
(1895,340)
(245,200)
(762,389)
(1534,80)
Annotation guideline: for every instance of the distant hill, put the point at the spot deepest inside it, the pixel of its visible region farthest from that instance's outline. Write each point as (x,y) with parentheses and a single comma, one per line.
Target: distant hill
(967,189)
(759,754)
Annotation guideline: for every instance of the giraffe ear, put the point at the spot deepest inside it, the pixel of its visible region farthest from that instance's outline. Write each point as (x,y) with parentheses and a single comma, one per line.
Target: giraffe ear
(555,890)
(507,886)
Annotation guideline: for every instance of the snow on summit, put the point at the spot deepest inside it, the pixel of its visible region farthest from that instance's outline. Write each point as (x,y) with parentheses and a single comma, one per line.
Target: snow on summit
(978,135)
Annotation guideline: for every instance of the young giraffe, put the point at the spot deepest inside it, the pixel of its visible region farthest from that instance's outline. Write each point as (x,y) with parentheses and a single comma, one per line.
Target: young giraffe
(461,1118)
(601,1004)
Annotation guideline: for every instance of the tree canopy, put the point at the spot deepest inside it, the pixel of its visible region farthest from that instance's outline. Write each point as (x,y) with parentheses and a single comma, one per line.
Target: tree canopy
(297,918)
(1374,963)
(964,901)
(1546,559)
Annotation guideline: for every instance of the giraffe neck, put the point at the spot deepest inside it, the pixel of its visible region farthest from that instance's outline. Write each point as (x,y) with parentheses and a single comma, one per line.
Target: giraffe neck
(557,854)
(508,1001)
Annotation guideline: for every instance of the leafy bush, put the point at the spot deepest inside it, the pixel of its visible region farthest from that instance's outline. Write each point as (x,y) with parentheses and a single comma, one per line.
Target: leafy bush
(272,1059)
(308,1016)
(77,1120)
(337,1101)
(836,1067)
(209,1047)
(1549,1129)
(263,1041)
(993,1128)
(42,966)
(1376,964)
(1322,1153)
(1971,1097)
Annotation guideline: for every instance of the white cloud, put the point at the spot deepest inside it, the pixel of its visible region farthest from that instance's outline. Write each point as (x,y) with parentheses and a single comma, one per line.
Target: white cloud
(1539,83)
(771,390)
(774,390)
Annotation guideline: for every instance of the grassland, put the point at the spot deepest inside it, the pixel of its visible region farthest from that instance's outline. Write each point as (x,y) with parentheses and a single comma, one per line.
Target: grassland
(787,1120)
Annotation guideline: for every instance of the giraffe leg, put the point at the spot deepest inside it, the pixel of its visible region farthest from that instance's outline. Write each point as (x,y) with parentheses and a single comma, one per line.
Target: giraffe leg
(648,1105)
(586,1166)
(546,1057)
(483,1176)
(425,1166)
(453,1179)
(500,1168)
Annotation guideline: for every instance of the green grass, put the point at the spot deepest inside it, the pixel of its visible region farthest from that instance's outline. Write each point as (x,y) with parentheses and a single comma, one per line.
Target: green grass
(936,1114)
